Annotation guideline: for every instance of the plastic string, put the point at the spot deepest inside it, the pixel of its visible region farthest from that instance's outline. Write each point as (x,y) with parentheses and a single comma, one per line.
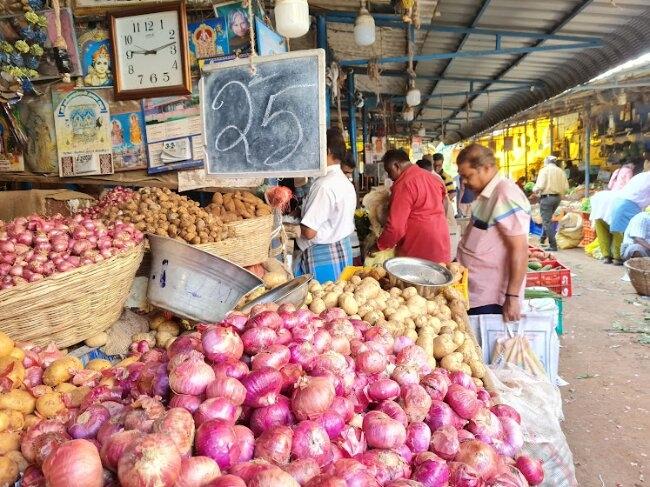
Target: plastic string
(251,32)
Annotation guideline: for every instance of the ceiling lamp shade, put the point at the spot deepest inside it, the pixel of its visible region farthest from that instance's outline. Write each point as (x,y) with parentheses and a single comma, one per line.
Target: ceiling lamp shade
(408,114)
(413,95)
(292,17)
(364,28)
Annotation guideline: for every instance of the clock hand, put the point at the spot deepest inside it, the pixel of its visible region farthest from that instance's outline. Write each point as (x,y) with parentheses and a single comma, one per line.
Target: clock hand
(155,51)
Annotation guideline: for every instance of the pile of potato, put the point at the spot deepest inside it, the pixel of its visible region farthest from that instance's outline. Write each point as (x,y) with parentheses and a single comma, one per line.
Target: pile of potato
(240,205)
(438,325)
(163,330)
(162,212)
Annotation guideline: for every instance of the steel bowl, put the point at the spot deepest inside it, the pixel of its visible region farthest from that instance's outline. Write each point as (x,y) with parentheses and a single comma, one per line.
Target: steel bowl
(427,277)
(291,292)
(194,284)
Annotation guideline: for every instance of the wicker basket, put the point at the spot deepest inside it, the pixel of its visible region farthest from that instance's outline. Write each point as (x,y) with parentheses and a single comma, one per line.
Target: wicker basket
(69,307)
(638,268)
(249,244)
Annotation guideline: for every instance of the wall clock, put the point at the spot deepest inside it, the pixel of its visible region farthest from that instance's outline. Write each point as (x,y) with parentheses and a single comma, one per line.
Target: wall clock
(150,52)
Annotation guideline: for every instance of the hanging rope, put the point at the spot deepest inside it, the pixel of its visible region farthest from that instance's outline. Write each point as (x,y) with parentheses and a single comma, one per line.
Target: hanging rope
(466,108)
(251,33)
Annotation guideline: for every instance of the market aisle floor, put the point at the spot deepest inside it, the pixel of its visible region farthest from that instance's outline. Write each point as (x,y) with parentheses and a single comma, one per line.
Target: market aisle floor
(607,401)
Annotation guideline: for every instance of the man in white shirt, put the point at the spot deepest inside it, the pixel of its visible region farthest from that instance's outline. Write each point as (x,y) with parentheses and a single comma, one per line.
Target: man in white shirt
(551,185)
(327,218)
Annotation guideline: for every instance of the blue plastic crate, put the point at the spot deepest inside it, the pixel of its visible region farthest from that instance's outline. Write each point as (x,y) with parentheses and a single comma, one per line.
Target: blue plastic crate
(537,229)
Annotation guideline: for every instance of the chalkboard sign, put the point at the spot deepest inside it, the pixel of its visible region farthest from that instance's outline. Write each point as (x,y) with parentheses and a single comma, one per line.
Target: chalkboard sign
(271,123)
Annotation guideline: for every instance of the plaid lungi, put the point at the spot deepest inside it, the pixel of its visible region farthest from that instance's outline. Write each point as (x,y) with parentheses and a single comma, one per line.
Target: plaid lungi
(324,261)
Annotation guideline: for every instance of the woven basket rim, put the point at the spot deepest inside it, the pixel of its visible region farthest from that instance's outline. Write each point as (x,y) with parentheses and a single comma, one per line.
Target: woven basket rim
(65,275)
(629,265)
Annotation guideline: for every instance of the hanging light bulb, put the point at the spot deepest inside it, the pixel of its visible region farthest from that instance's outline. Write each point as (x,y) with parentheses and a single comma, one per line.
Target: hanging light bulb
(292,17)
(364,27)
(408,114)
(413,95)
(422,131)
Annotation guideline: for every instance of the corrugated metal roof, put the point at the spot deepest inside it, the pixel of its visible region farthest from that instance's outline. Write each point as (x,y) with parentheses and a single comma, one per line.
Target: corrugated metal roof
(623,25)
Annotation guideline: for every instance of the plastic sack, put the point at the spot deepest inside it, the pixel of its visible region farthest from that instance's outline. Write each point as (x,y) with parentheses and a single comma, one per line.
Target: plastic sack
(378,258)
(539,404)
(376,203)
(569,235)
(593,249)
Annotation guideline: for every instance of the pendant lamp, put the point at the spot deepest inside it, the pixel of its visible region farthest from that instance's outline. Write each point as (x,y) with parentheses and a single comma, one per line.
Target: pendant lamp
(408,114)
(292,17)
(364,27)
(413,95)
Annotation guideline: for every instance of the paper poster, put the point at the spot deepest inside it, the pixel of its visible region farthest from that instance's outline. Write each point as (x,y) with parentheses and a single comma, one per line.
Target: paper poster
(207,39)
(199,178)
(11,157)
(128,136)
(269,42)
(83,133)
(96,58)
(174,133)
(37,119)
(235,15)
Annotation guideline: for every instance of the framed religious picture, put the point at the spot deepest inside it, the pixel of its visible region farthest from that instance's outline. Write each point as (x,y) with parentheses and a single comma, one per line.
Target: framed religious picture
(128,136)
(269,42)
(150,52)
(95,53)
(207,39)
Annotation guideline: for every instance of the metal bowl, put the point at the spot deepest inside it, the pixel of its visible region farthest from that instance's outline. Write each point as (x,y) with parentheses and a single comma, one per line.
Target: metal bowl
(427,277)
(194,284)
(291,292)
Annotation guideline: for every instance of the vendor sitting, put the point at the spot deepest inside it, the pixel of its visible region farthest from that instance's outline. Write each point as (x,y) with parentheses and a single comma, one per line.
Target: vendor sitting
(636,241)
(327,218)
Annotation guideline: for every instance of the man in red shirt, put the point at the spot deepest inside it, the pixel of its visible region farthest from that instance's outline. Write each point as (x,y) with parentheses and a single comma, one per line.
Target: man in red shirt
(417,223)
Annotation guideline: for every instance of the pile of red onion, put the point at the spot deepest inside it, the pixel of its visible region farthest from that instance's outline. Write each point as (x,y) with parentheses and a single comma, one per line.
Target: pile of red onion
(113,197)
(35,247)
(281,398)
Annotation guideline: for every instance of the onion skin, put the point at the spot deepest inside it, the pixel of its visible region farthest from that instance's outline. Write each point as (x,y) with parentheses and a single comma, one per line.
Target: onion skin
(480,456)
(302,470)
(262,387)
(531,469)
(216,439)
(216,408)
(432,473)
(227,387)
(178,424)
(88,423)
(503,410)
(151,460)
(312,397)
(418,437)
(274,445)
(46,443)
(227,481)
(76,459)
(272,478)
(383,389)
(27,440)
(310,440)
(463,401)
(382,431)
(185,401)
(197,472)
(114,447)
(221,344)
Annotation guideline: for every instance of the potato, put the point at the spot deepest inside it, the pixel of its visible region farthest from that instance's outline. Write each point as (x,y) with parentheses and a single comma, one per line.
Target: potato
(361,299)
(6,344)
(99,364)
(19,459)
(432,308)
(355,280)
(465,368)
(5,420)
(444,345)
(9,441)
(162,337)
(409,292)
(98,340)
(401,314)
(49,405)
(348,304)
(76,397)
(380,305)
(425,340)
(435,323)
(452,362)
(13,370)
(459,337)
(395,291)
(309,298)
(65,387)
(274,279)
(9,472)
(17,353)
(317,306)
(412,334)
(393,303)
(331,299)
(444,312)
(143,337)
(170,327)
(128,361)
(417,305)
(61,370)
(16,420)
(373,317)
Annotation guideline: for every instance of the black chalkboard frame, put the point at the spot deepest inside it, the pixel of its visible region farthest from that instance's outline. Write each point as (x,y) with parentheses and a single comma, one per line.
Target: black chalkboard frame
(319,56)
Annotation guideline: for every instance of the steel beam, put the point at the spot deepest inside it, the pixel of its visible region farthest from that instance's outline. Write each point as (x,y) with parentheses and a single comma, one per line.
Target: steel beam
(321,42)
(352,122)
(461,79)
(462,93)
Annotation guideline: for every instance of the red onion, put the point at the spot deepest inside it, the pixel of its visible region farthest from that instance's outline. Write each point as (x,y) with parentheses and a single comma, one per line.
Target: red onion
(177,423)
(326,480)
(88,423)
(283,337)
(278,414)
(353,472)
(415,401)
(436,384)
(228,388)
(310,440)
(404,483)
(257,339)
(303,354)
(275,356)
(462,475)
(109,428)
(418,437)
(332,422)
(231,368)
(28,438)
(340,344)
(371,362)
(503,410)
(216,439)
(244,444)
(344,407)
(385,465)
(414,356)
(531,469)
(394,410)
(150,460)
(382,431)
(115,445)
(480,456)
(383,389)
(262,386)
(303,333)
(222,343)
(76,459)
(462,379)
(405,374)
(32,477)
(272,478)
(440,414)
(236,320)
(464,435)
(485,426)
(312,397)
(330,362)
(509,476)
(265,319)
(45,444)
(444,442)
(227,481)
(274,445)
(217,408)
(185,344)
(322,340)
(512,435)
(484,397)
(197,472)
(290,375)
(432,473)
(190,403)
(246,470)
(303,470)
(463,401)
(401,342)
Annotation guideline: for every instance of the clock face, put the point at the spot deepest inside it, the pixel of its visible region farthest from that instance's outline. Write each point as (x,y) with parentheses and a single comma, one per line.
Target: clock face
(149,50)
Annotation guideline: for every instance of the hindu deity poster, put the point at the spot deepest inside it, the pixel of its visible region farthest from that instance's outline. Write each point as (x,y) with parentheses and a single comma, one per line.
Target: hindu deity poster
(96,58)
(83,132)
(207,39)
(128,136)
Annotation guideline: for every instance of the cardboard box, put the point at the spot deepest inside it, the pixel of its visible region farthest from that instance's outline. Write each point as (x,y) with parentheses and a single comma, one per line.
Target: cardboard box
(43,202)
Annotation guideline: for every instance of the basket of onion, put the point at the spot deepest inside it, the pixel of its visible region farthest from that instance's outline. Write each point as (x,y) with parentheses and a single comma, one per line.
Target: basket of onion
(64,279)
(280,397)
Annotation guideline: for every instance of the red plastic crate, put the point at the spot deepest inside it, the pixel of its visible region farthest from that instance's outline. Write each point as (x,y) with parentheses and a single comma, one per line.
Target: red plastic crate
(557,279)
